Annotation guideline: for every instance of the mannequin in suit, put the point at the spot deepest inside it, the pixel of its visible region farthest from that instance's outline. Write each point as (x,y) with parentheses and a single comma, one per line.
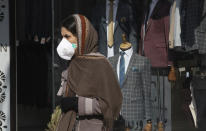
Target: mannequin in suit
(123,23)
(133,72)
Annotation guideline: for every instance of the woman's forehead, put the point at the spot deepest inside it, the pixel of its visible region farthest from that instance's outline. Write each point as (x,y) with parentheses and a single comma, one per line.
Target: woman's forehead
(65,31)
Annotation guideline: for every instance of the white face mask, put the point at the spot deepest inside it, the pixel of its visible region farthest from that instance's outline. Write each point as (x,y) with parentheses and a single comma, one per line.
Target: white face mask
(66,49)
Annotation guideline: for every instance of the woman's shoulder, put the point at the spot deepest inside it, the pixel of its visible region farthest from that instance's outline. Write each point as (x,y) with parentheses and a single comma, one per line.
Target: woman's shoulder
(92,56)
(97,54)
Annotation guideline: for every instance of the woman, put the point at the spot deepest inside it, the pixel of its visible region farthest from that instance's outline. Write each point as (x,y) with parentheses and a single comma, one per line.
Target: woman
(91,91)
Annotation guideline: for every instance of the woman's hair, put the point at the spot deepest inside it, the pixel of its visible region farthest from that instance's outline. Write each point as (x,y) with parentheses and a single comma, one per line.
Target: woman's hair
(70,24)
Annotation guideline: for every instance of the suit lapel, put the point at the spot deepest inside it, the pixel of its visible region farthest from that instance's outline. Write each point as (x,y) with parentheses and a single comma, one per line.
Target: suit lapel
(143,30)
(148,25)
(104,24)
(155,11)
(103,18)
(116,58)
(117,15)
(129,67)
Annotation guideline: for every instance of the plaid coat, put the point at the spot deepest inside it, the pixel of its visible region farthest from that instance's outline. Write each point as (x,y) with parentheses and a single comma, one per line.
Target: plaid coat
(136,90)
(193,21)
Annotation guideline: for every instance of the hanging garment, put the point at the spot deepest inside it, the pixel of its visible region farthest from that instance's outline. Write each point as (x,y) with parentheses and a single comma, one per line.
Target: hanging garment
(193,107)
(161,97)
(193,25)
(198,83)
(155,38)
(136,84)
(177,26)
(172,21)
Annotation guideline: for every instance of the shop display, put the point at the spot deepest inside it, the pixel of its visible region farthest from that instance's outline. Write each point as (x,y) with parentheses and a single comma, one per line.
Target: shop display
(133,72)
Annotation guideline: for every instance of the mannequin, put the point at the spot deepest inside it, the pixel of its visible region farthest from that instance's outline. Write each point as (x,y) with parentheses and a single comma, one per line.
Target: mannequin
(136,79)
(123,21)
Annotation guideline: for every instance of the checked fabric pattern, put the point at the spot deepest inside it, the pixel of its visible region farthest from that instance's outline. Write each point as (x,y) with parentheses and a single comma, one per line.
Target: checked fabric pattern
(136,88)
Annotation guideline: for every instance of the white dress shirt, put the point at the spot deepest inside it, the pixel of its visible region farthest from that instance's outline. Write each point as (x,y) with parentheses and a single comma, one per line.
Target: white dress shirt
(110,51)
(127,57)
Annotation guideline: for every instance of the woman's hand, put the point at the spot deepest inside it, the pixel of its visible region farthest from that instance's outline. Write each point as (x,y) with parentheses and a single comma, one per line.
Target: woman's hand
(69,103)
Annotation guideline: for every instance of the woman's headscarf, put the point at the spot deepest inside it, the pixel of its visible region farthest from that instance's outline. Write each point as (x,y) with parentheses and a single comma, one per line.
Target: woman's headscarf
(86,35)
(91,75)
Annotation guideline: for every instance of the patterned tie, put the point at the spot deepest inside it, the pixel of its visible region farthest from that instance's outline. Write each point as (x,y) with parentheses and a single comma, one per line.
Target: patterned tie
(111,24)
(122,69)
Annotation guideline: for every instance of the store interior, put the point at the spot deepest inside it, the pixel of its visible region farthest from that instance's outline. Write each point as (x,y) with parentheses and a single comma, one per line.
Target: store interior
(39,67)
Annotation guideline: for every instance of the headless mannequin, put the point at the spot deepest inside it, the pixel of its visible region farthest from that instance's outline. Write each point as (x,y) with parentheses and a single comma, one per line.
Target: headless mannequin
(124,47)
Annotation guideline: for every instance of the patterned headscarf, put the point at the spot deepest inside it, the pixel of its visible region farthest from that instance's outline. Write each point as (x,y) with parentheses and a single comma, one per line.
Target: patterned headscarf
(86,35)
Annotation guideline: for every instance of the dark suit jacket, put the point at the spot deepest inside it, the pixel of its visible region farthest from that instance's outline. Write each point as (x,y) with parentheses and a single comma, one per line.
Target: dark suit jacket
(136,88)
(199,83)
(199,79)
(154,43)
(193,20)
(125,24)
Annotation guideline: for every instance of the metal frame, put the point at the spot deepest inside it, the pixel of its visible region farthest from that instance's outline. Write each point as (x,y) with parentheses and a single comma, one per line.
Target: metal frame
(13,65)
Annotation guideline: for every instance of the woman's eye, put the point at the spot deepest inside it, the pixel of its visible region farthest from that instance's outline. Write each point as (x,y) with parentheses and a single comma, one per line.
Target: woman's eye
(67,36)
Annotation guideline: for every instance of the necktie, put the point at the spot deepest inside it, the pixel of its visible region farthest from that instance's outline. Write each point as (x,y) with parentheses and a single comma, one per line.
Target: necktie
(111,24)
(122,69)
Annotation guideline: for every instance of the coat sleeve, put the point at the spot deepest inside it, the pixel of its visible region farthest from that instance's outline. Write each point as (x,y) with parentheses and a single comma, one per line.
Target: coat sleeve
(146,81)
(88,106)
